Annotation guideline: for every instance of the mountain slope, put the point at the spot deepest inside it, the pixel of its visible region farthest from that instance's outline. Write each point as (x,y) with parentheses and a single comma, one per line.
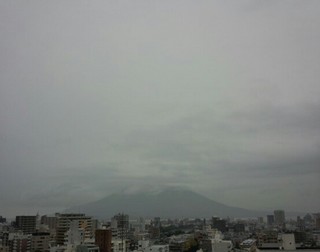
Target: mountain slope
(170,203)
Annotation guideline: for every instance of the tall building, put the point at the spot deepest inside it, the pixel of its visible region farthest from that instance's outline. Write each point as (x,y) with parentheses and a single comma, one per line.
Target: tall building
(27,224)
(114,228)
(270,220)
(142,224)
(300,224)
(122,221)
(317,220)
(75,234)
(279,218)
(2,220)
(64,222)
(103,239)
(50,221)
(157,222)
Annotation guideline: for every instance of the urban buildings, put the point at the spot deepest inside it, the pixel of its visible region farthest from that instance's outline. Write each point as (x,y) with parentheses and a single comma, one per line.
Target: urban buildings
(50,221)
(18,242)
(40,242)
(78,233)
(64,223)
(27,224)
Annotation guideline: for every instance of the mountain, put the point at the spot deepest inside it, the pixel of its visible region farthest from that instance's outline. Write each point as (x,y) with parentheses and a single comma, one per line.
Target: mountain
(170,203)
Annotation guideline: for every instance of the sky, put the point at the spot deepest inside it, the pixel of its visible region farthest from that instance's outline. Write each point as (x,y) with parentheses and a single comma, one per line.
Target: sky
(99,97)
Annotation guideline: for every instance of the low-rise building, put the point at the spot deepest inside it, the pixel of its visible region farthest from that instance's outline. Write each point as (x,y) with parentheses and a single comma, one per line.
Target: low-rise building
(103,239)
(40,242)
(19,242)
(157,248)
(288,242)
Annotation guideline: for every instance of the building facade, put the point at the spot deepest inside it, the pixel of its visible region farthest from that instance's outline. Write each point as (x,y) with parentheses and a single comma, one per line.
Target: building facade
(64,224)
(279,218)
(27,224)
(40,242)
(103,238)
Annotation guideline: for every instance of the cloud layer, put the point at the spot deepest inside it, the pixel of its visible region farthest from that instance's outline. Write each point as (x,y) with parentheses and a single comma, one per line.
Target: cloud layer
(222,98)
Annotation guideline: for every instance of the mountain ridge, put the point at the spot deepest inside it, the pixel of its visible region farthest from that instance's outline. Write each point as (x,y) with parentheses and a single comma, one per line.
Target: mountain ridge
(168,203)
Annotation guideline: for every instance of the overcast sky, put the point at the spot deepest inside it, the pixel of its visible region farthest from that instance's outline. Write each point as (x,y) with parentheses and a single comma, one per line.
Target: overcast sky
(221,97)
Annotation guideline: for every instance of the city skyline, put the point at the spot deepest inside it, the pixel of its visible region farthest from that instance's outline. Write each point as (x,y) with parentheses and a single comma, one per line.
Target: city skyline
(222,98)
(74,232)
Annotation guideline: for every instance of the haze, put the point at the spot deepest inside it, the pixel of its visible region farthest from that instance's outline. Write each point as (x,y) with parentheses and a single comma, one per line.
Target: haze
(220,97)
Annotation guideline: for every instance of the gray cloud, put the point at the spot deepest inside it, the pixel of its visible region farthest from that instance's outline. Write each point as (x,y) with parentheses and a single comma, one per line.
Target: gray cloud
(222,98)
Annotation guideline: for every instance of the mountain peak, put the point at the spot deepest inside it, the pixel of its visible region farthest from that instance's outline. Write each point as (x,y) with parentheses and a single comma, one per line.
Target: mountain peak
(171,202)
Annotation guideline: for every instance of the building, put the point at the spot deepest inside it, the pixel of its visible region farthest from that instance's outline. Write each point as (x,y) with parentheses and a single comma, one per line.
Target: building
(182,243)
(4,239)
(143,244)
(267,240)
(4,242)
(288,242)
(279,218)
(27,224)
(249,245)
(40,241)
(154,232)
(120,245)
(19,242)
(103,239)
(2,220)
(87,248)
(50,221)
(120,222)
(75,234)
(157,222)
(178,246)
(142,224)
(64,223)
(219,224)
(300,224)
(221,245)
(317,220)
(157,248)
(260,220)
(239,227)
(270,220)
(300,238)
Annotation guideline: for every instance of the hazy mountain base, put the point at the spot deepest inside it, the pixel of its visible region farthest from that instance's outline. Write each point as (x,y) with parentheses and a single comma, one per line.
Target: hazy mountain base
(170,203)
